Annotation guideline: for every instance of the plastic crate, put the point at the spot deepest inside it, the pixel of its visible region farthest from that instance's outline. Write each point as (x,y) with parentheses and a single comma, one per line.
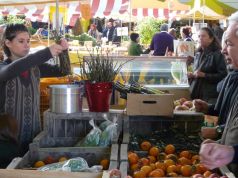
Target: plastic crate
(93,156)
(76,125)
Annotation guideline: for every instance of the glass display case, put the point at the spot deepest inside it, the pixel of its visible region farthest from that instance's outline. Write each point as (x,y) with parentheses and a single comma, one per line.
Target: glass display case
(156,72)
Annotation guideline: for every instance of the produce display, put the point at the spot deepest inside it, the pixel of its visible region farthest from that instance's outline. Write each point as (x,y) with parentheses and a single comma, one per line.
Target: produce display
(183,105)
(134,87)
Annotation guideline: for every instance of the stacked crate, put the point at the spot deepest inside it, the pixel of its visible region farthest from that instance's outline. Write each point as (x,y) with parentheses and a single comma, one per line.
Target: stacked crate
(60,134)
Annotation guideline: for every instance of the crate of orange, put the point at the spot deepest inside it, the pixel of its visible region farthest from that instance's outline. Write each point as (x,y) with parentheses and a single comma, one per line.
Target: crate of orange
(36,158)
(152,161)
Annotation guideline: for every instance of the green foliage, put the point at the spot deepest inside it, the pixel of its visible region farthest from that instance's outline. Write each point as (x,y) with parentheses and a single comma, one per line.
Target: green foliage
(147,28)
(85,37)
(31,30)
(13,19)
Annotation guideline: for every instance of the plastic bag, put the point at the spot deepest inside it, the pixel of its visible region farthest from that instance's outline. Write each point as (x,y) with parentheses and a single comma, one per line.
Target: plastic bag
(72,165)
(92,138)
(105,123)
(108,134)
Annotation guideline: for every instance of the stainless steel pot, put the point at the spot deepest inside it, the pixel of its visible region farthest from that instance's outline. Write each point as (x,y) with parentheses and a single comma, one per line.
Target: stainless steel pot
(66,98)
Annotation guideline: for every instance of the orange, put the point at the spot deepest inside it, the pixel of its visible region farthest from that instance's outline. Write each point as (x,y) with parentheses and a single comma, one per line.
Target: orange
(185,154)
(39,164)
(61,159)
(139,174)
(195,158)
(154,151)
(146,169)
(157,173)
(207,173)
(160,165)
(105,163)
(49,160)
(134,167)
(172,174)
(161,156)
(184,161)
(178,168)
(186,170)
(152,165)
(171,168)
(173,157)
(143,161)
(152,159)
(169,162)
(169,149)
(145,146)
(133,158)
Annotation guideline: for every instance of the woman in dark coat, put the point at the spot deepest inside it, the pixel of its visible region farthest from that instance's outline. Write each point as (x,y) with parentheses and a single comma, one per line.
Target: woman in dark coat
(209,67)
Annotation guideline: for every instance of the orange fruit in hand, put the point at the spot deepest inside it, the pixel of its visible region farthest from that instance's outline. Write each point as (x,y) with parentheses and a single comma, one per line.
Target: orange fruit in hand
(145,146)
(133,158)
(185,154)
(186,170)
(157,173)
(169,149)
(154,151)
(39,164)
(105,163)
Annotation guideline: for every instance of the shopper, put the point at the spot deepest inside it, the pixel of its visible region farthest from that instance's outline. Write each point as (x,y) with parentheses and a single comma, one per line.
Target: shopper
(134,48)
(93,32)
(185,33)
(162,42)
(19,80)
(209,67)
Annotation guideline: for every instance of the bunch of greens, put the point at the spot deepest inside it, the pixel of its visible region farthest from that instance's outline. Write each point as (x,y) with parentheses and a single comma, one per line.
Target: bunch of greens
(85,37)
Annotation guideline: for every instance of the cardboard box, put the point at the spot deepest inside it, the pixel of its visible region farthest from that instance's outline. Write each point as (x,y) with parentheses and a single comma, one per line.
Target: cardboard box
(150,104)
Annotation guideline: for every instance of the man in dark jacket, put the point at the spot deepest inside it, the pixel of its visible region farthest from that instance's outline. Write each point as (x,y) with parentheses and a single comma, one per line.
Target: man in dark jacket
(108,32)
(162,42)
(228,97)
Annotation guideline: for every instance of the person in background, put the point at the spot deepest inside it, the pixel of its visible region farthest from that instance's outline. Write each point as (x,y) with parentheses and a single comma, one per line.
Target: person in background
(20,76)
(226,107)
(93,32)
(209,67)
(185,33)
(172,32)
(116,39)
(162,42)
(134,48)
(108,32)
(218,31)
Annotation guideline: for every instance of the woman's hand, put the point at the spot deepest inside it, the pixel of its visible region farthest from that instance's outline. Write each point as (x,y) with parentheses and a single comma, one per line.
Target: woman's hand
(190,75)
(56,49)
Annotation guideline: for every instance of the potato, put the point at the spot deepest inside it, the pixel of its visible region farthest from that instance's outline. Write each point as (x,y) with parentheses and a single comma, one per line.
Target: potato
(182,100)
(181,108)
(189,104)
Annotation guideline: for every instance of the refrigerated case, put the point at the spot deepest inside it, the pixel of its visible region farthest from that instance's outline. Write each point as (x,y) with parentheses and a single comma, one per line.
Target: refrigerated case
(164,73)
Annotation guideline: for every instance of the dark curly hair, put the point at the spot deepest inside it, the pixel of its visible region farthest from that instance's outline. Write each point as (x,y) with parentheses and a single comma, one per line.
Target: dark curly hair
(10,33)
(215,45)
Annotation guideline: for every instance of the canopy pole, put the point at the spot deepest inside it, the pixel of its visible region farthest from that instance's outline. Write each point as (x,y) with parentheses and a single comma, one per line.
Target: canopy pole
(57,16)
(129,16)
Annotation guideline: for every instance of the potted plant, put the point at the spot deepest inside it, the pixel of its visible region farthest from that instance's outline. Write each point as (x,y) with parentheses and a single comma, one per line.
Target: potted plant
(99,72)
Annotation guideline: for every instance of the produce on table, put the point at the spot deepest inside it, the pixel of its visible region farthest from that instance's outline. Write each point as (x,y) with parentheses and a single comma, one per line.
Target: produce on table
(183,105)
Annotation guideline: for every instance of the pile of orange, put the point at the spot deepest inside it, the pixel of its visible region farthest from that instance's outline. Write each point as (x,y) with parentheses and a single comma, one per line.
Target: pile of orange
(48,160)
(165,162)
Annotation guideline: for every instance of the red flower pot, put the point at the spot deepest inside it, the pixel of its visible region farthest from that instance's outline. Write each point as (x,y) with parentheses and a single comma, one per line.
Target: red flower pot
(98,96)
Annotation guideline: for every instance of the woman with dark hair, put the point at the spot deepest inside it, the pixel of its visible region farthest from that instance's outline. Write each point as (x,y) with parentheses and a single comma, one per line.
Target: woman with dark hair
(186,33)
(20,75)
(134,49)
(209,67)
